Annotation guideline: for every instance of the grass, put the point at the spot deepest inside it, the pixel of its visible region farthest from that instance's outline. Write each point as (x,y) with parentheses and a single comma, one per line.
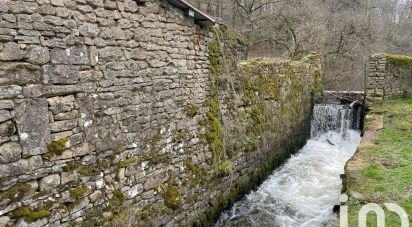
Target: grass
(387,177)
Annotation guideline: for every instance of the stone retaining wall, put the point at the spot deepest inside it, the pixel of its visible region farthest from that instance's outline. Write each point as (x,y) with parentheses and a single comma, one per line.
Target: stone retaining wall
(114,112)
(388,76)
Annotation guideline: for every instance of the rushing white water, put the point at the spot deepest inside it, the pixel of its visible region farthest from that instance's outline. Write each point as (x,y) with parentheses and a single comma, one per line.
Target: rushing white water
(304,190)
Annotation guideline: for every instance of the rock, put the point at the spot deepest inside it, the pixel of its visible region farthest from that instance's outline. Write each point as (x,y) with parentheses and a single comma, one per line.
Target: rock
(155,181)
(73,55)
(90,75)
(9,152)
(5,115)
(89,30)
(83,149)
(96,196)
(110,53)
(20,73)
(67,177)
(6,104)
(61,104)
(7,128)
(67,115)
(50,182)
(15,168)
(11,91)
(38,55)
(11,51)
(4,220)
(134,191)
(33,126)
(57,2)
(61,74)
(60,126)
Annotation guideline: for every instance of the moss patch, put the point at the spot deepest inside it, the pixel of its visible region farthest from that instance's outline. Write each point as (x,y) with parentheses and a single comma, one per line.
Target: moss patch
(87,171)
(57,147)
(78,192)
(126,162)
(16,192)
(399,60)
(31,215)
(173,198)
(192,110)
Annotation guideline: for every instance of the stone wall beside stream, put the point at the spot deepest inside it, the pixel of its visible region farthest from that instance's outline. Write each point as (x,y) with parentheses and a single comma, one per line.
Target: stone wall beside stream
(113,111)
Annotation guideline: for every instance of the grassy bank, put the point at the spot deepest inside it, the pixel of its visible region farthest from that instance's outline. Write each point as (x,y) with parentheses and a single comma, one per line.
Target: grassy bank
(381,171)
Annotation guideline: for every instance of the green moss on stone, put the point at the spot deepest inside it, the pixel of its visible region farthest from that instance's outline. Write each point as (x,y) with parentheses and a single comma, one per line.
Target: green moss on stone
(173,198)
(31,215)
(192,110)
(181,135)
(16,192)
(78,192)
(115,203)
(87,171)
(11,128)
(399,60)
(126,162)
(57,147)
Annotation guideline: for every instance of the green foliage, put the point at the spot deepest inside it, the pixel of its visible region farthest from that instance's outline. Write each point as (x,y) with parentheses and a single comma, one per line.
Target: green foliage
(173,198)
(126,162)
(399,60)
(78,192)
(373,171)
(16,192)
(225,168)
(196,175)
(192,110)
(115,203)
(387,174)
(30,215)
(57,147)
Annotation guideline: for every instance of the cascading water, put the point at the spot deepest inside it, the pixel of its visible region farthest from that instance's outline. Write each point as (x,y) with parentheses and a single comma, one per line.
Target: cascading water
(304,190)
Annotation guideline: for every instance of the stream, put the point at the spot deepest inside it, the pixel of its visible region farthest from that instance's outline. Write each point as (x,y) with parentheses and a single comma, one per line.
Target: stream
(305,189)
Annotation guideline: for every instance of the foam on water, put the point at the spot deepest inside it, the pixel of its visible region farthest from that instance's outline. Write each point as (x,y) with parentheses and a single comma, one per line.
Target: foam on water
(304,190)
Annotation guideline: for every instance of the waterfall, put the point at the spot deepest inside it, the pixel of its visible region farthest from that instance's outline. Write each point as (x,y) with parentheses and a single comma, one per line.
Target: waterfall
(304,190)
(340,118)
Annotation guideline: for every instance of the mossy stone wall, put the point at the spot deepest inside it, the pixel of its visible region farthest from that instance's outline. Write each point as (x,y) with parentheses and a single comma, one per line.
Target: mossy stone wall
(388,76)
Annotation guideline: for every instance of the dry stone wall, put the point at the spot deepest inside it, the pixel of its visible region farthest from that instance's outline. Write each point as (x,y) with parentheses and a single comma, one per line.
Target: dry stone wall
(118,112)
(388,76)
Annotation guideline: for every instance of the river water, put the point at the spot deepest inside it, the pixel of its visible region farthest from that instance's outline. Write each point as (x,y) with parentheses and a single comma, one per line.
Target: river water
(305,189)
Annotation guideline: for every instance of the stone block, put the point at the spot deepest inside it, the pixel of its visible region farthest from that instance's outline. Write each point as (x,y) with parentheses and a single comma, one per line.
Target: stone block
(9,152)
(15,168)
(61,74)
(89,30)
(19,73)
(33,126)
(5,115)
(72,55)
(50,182)
(6,104)
(38,55)
(60,126)
(11,91)
(61,104)
(11,51)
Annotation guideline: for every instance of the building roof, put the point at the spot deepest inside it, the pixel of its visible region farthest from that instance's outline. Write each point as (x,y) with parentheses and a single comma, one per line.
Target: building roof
(200,17)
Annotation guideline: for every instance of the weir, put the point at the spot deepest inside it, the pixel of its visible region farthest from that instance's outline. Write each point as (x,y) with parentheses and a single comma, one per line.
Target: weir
(305,189)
